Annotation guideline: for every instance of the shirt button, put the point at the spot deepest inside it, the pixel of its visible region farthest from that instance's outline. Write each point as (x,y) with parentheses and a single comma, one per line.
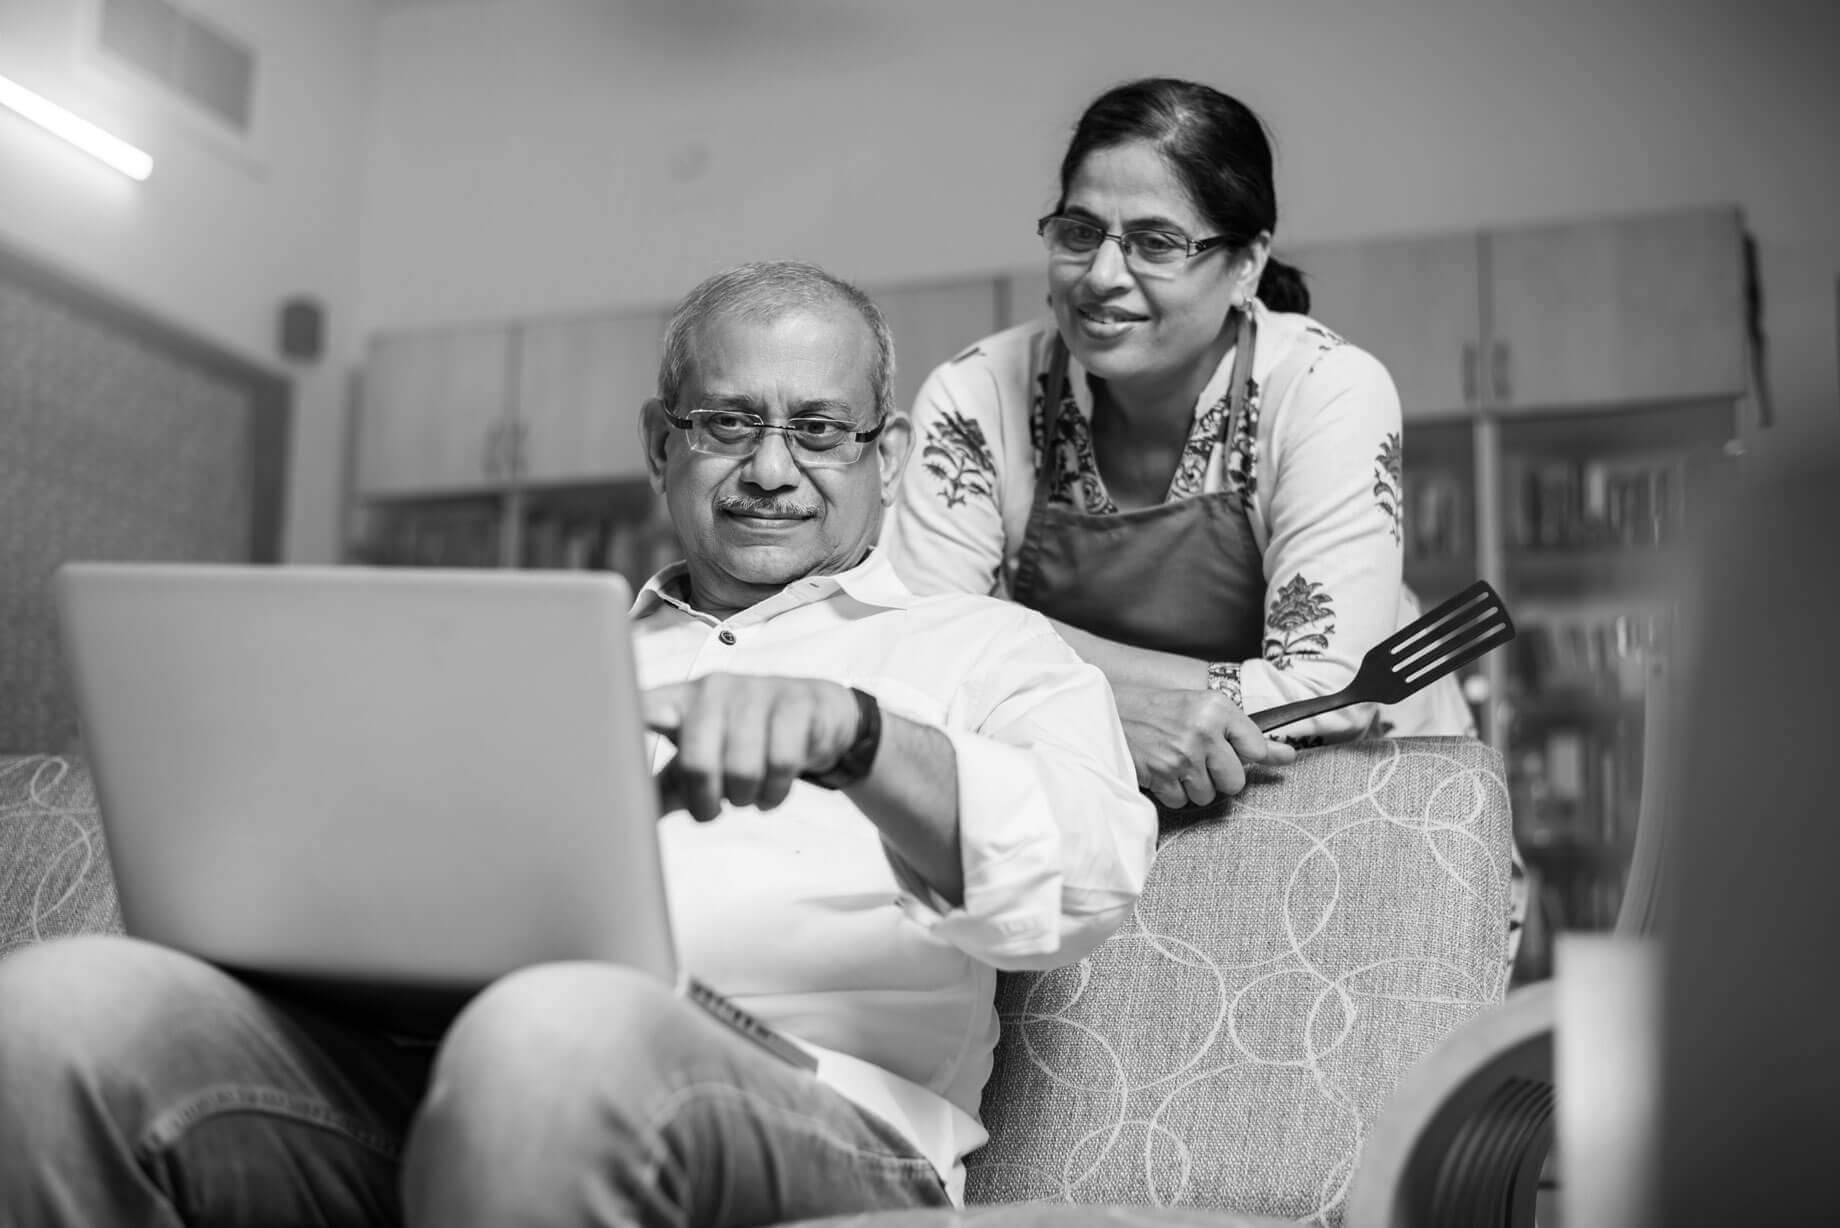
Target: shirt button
(726,636)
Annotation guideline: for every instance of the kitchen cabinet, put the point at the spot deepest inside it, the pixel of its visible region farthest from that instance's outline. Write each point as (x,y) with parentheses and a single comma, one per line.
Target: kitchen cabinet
(932,323)
(581,383)
(1606,312)
(1414,303)
(436,412)
(1615,312)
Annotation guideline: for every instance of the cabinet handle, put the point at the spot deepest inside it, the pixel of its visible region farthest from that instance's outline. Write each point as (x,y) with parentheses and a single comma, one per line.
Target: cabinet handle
(1498,372)
(489,458)
(1469,373)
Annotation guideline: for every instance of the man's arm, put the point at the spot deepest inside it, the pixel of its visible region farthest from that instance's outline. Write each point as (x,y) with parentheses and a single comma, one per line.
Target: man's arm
(743,739)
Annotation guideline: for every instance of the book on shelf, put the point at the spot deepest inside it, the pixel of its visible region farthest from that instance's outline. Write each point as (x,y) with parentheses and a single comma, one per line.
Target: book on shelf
(613,540)
(1591,653)
(432,537)
(1435,519)
(1620,501)
(630,537)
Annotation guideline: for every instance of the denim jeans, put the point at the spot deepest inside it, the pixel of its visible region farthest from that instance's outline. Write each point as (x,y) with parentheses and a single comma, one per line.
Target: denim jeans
(139,1086)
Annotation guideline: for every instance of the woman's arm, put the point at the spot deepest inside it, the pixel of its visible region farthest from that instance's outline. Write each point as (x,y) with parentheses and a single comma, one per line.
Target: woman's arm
(1332,548)
(1127,666)
(945,529)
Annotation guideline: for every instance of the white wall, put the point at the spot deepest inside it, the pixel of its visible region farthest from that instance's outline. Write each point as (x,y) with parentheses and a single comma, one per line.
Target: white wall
(549,155)
(220,233)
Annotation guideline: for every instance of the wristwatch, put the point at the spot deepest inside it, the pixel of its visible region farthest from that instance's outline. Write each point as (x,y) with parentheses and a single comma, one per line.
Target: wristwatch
(856,760)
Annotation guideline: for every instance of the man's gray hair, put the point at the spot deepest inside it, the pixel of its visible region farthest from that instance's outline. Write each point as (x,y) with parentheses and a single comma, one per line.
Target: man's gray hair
(760,293)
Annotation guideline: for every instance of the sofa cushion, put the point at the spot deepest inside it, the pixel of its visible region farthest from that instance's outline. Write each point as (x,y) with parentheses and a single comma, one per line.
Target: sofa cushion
(54,873)
(1291,956)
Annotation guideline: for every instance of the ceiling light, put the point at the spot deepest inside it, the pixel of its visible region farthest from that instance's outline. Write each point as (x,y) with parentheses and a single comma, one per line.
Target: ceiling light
(78,131)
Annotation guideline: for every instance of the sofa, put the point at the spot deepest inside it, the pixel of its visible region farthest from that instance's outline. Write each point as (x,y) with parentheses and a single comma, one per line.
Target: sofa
(1223,1059)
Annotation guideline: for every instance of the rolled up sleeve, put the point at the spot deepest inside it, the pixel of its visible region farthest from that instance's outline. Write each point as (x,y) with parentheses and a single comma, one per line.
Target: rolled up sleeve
(1055,837)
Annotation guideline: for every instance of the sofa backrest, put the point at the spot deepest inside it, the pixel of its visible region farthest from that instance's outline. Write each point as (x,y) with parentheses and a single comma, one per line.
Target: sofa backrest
(1291,956)
(54,872)
(1293,953)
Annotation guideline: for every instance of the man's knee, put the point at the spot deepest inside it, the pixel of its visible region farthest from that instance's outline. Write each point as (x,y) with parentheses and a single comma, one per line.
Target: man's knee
(78,1000)
(87,1021)
(534,1032)
(540,1080)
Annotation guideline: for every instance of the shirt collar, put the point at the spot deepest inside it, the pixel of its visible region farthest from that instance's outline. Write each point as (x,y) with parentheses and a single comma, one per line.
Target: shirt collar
(872,582)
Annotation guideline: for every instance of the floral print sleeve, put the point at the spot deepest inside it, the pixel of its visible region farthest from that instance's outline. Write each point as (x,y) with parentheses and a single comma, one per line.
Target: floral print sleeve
(1326,510)
(945,529)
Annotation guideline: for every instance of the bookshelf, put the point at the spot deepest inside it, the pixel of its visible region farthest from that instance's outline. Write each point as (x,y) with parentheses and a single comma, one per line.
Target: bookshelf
(1590,514)
(617,526)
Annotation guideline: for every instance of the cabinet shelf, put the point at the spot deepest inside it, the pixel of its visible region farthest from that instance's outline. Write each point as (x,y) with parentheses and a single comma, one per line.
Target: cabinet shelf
(1635,573)
(1573,706)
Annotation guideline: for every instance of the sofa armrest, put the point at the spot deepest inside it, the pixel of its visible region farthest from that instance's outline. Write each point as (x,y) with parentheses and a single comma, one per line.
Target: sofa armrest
(1293,954)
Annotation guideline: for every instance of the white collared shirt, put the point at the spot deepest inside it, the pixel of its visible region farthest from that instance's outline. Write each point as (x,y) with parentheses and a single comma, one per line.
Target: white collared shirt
(800,914)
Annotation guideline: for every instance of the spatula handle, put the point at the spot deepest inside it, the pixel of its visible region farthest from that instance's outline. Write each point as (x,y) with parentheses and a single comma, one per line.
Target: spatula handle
(1285,714)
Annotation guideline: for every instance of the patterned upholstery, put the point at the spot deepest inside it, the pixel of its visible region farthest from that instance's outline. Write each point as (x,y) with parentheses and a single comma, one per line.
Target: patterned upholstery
(54,874)
(1293,953)
(1289,959)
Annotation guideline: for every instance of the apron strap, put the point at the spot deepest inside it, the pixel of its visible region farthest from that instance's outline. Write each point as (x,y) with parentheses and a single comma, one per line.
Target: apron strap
(1050,419)
(1245,343)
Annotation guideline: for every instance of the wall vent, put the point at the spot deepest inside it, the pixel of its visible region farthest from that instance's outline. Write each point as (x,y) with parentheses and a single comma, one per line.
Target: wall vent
(183,52)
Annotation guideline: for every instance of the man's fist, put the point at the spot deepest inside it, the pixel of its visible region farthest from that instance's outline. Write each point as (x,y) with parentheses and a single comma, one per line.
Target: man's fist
(744,738)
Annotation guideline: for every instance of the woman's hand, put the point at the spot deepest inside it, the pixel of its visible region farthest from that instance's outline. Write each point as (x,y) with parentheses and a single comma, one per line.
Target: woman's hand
(1190,746)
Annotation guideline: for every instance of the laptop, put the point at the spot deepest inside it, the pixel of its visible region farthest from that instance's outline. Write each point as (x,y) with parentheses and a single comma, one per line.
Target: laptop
(374,789)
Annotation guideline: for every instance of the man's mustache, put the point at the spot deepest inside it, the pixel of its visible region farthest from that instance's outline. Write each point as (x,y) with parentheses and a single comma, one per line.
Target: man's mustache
(765,507)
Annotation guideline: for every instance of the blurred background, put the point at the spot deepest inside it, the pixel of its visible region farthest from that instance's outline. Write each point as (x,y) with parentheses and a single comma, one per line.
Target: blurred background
(392,289)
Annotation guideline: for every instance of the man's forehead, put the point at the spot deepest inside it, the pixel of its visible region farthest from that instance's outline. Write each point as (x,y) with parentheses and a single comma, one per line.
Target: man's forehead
(823,351)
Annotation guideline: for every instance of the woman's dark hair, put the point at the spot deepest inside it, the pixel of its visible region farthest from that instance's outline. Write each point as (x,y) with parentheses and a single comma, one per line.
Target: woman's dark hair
(1217,148)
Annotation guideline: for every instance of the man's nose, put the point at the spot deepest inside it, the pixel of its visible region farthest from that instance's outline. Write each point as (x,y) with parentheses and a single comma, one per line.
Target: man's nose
(771,467)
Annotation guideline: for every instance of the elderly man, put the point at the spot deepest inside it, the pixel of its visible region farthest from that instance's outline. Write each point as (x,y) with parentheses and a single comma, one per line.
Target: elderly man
(880,800)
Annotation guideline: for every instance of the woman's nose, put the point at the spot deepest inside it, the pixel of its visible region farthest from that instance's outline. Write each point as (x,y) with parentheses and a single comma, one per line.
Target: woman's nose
(1108,267)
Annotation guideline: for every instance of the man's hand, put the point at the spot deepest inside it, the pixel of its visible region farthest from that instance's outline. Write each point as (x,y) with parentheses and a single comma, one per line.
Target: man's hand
(745,738)
(1192,746)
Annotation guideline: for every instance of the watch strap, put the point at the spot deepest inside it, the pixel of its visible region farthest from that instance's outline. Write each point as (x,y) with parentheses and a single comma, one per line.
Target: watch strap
(856,760)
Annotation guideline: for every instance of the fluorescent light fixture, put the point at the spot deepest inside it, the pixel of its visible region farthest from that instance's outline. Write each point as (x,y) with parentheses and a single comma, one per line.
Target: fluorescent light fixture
(78,131)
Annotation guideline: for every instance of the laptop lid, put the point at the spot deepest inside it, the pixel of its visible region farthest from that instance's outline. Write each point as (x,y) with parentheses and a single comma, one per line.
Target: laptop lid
(413,778)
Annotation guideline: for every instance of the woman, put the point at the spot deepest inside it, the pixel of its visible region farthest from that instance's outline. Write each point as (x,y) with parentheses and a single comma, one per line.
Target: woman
(1219,528)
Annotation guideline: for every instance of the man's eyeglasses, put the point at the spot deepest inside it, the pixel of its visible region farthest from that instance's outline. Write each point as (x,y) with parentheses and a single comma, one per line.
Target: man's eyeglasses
(1156,252)
(814,442)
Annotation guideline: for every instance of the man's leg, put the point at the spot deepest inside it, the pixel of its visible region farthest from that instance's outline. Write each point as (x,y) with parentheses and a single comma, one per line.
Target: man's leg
(586,1096)
(141,1086)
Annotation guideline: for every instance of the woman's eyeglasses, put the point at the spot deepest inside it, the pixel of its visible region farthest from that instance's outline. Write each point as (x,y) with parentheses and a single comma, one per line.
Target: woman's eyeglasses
(814,442)
(1146,250)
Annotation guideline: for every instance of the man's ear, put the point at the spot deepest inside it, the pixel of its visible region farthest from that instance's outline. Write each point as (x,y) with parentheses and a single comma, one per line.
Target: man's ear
(892,448)
(655,432)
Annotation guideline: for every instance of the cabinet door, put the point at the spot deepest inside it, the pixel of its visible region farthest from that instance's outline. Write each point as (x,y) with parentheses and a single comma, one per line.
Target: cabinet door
(1617,311)
(581,382)
(933,323)
(434,406)
(1413,303)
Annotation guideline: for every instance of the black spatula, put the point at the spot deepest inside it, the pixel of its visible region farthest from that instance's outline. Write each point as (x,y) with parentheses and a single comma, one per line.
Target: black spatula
(1418,654)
